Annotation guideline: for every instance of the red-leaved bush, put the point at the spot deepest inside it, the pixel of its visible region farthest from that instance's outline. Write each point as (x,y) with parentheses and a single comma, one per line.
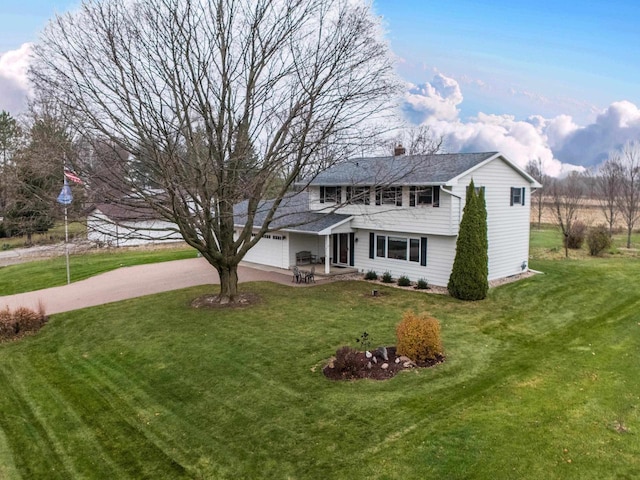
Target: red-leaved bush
(20,321)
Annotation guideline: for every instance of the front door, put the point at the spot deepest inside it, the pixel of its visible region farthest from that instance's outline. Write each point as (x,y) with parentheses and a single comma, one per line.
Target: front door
(343,248)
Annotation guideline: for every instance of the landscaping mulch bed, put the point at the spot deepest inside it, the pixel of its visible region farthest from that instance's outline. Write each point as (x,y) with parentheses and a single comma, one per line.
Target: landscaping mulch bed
(245,299)
(364,367)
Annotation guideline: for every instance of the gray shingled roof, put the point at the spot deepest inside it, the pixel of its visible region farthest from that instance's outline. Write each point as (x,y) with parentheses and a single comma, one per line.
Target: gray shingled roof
(293,215)
(123,212)
(435,169)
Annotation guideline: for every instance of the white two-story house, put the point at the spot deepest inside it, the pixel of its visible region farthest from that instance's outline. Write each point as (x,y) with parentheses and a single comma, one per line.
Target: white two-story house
(401,214)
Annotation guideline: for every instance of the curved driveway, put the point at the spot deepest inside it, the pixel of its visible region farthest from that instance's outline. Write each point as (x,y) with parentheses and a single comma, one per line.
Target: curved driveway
(131,282)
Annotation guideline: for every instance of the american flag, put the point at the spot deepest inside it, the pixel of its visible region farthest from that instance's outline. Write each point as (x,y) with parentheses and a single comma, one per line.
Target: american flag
(71,175)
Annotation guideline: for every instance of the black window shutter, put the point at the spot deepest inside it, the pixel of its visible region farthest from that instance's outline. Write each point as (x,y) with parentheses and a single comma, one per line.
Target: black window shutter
(398,196)
(412,196)
(321,194)
(512,196)
(338,195)
(372,244)
(352,249)
(423,251)
(522,196)
(378,196)
(436,196)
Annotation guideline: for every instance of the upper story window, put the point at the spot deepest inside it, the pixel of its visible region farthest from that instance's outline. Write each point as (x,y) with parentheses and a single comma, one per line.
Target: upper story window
(517,196)
(424,196)
(389,196)
(359,195)
(330,194)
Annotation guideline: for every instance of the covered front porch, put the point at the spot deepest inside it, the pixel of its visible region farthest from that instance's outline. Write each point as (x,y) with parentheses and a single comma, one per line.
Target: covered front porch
(332,249)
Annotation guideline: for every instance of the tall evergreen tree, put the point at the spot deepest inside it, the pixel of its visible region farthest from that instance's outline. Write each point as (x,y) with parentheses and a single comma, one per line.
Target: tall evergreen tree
(9,136)
(37,176)
(468,280)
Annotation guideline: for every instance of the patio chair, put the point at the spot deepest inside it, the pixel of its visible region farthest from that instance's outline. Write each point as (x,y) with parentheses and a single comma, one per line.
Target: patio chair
(311,276)
(297,276)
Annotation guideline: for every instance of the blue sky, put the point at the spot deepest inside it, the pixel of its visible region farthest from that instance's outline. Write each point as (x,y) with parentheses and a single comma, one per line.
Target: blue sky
(584,51)
(555,80)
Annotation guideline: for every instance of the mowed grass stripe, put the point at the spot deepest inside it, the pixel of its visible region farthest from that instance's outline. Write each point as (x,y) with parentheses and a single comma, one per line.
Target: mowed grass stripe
(240,392)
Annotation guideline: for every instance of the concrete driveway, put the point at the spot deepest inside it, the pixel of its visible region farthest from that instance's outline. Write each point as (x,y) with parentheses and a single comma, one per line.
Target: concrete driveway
(131,282)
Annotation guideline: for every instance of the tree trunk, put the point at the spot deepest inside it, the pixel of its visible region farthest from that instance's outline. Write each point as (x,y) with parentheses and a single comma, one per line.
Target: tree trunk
(228,283)
(629,231)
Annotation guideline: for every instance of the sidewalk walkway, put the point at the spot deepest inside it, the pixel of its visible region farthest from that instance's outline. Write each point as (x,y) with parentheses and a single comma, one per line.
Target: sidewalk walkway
(132,282)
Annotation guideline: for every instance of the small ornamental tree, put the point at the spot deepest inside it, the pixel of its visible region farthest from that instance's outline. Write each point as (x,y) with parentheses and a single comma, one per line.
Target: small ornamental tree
(468,280)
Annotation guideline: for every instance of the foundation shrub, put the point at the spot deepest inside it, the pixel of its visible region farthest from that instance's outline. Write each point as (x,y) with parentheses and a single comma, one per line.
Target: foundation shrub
(387,278)
(371,275)
(418,337)
(404,281)
(422,284)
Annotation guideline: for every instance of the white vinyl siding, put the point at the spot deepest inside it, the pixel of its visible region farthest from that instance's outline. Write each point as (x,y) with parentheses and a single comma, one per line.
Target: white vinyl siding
(507,226)
(440,251)
(102,229)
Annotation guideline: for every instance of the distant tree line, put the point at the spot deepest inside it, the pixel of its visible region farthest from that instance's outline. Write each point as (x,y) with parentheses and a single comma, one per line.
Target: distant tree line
(33,149)
(615,186)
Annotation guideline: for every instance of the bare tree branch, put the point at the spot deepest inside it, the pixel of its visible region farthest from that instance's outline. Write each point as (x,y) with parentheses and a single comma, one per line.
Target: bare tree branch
(217,101)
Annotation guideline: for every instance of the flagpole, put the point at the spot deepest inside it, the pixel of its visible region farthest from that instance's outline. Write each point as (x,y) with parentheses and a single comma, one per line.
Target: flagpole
(65,198)
(66,244)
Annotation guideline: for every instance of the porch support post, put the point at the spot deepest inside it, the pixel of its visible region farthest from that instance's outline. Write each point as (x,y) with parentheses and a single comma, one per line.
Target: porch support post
(327,254)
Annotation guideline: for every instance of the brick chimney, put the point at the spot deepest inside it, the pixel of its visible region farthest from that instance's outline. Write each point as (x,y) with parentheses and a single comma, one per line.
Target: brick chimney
(399,150)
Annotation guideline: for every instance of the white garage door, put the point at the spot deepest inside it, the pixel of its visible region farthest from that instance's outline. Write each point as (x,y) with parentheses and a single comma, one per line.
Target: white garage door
(270,250)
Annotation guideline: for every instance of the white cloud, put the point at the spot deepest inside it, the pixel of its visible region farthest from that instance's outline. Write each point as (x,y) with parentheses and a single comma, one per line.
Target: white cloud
(559,142)
(590,145)
(14,85)
(436,99)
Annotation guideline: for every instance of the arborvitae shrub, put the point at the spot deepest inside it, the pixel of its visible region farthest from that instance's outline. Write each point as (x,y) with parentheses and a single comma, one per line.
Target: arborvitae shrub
(468,279)
(387,278)
(371,275)
(576,235)
(404,281)
(422,284)
(598,240)
(418,337)
(346,360)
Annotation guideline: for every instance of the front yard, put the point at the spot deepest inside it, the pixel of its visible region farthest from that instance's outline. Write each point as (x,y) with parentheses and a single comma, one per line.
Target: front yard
(541,381)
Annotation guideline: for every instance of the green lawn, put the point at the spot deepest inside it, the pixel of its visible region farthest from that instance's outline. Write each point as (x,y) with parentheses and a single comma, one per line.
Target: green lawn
(546,243)
(541,382)
(26,277)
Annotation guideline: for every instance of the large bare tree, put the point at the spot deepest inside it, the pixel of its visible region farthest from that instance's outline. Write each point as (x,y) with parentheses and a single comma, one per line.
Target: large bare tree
(567,197)
(416,140)
(536,169)
(608,189)
(218,101)
(629,197)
